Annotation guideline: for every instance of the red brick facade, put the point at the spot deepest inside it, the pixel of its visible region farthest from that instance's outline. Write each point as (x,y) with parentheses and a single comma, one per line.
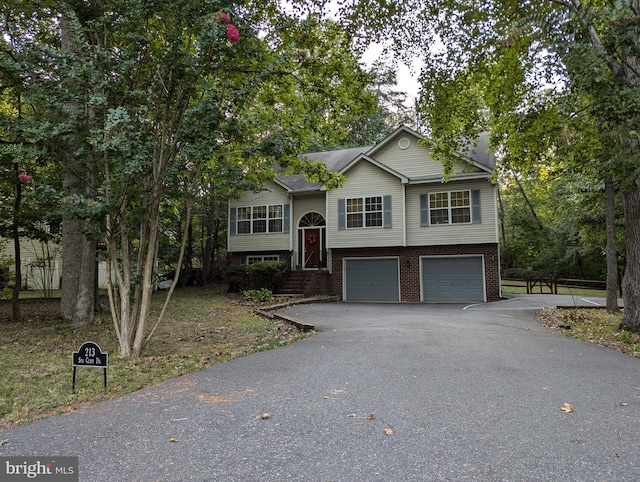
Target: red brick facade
(410,265)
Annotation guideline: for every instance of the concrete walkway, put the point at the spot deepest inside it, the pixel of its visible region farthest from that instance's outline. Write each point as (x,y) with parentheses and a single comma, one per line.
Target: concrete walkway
(383,392)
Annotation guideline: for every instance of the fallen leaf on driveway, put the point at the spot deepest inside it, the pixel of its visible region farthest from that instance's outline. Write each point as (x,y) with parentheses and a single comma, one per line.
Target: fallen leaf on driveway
(352,415)
(173,439)
(265,416)
(371,416)
(388,431)
(217,398)
(567,408)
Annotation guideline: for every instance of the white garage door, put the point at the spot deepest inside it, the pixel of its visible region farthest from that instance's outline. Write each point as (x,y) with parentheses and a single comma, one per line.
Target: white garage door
(368,279)
(453,279)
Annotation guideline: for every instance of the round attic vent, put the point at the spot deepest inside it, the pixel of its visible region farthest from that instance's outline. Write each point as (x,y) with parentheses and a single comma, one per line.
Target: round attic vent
(404,143)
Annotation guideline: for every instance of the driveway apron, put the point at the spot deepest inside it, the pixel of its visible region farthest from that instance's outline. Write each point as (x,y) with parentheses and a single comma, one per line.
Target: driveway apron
(382,392)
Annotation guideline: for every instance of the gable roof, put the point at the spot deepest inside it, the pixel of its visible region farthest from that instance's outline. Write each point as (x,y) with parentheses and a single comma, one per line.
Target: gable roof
(342,160)
(390,137)
(479,155)
(366,158)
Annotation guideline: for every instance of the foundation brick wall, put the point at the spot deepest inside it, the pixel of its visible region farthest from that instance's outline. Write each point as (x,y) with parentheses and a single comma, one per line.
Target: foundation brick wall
(318,283)
(410,266)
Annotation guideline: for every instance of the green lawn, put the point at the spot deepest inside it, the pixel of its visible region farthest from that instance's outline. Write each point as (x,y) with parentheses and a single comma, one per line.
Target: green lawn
(202,327)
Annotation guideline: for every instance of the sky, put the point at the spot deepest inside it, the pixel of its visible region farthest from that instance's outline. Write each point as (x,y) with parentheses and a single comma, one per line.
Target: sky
(407,77)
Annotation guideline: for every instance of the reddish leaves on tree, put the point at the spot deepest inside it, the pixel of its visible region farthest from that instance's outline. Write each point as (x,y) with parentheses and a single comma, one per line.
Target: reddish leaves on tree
(232,34)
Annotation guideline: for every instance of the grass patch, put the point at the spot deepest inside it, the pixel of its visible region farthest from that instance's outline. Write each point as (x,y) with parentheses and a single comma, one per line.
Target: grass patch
(202,327)
(593,326)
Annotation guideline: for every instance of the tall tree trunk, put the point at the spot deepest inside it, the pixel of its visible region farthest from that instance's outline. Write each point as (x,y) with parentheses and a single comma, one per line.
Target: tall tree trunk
(78,250)
(188,262)
(207,255)
(15,300)
(612,251)
(119,279)
(147,261)
(77,302)
(631,280)
(531,208)
(208,243)
(216,244)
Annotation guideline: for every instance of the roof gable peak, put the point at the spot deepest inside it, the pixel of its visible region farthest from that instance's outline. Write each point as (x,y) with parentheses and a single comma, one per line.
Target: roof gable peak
(390,137)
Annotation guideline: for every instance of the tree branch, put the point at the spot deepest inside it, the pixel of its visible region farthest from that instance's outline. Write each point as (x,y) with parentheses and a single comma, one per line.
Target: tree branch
(601,51)
(561,3)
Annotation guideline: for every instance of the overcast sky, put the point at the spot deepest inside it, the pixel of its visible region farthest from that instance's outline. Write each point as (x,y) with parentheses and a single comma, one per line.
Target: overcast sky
(407,79)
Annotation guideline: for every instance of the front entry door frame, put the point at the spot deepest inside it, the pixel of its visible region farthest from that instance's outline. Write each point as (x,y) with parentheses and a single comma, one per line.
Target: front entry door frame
(312,251)
(311,241)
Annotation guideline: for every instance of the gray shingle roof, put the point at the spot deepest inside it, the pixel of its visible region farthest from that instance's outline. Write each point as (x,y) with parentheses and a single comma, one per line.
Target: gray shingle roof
(338,159)
(481,153)
(334,160)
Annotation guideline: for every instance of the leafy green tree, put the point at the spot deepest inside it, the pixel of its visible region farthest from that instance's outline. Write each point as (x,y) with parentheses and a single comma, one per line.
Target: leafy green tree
(559,229)
(139,101)
(23,164)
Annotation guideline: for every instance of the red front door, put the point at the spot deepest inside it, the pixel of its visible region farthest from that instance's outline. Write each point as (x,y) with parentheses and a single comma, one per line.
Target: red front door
(312,248)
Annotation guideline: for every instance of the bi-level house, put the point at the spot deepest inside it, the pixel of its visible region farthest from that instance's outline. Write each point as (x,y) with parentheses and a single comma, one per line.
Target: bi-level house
(394,231)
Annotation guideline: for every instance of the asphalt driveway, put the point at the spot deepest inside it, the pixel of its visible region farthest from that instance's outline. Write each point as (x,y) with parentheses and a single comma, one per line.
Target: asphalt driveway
(383,392)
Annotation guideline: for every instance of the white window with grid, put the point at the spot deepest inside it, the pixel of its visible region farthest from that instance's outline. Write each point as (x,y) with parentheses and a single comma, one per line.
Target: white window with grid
(260,219)
(244,220)
(260,258)
(450,207)
(364,212)
(275,218)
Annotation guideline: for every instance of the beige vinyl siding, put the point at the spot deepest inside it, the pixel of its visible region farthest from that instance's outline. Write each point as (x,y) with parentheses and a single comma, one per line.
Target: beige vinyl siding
(452,233)
(306,204)
(272,194)
(365,180)
(415,161)
(259,242)
(31,252)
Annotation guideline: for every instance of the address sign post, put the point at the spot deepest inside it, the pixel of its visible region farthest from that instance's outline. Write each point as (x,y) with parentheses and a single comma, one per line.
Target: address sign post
(89,355)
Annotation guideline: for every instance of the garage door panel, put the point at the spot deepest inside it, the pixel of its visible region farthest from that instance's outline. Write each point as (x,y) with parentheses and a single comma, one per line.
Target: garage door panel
(454,279)
(372,280)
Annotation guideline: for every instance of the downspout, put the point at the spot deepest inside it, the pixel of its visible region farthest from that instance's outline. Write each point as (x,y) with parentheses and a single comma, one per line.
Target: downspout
(292,261)
(404,215)
(327,218)
(228,228)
